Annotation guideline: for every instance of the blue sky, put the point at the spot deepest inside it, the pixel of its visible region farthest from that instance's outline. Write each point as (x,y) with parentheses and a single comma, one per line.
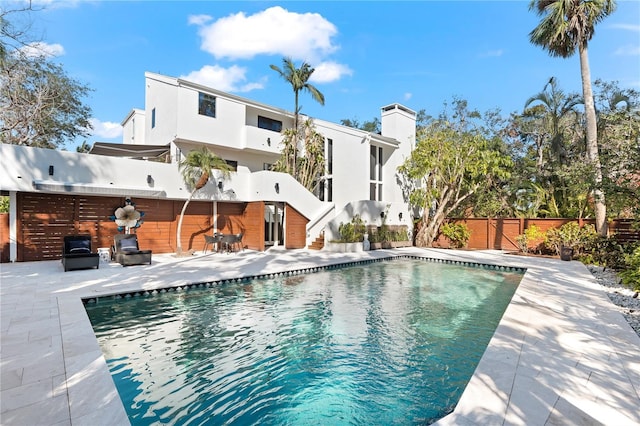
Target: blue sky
(367,54)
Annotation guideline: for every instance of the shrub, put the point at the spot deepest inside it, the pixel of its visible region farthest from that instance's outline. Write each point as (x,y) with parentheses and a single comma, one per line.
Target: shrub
(631,275)
(570,235)
(457,233)
(607,252)
(532,238)
(352,232)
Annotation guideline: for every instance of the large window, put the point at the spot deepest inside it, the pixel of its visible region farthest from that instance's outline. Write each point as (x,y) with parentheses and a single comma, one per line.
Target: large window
(325,188)
(269,124)
(375,173)
(206,105)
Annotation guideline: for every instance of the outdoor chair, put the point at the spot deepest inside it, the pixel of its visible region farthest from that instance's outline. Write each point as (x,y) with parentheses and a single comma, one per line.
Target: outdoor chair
(213,241)
(127,252)
(76,253)
(230,241)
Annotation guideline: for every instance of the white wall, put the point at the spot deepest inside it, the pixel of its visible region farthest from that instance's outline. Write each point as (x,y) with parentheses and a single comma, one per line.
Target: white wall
(161,93)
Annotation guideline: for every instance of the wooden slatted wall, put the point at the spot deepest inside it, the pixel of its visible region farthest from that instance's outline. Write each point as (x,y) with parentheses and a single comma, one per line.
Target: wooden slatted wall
(46,218)
(296,225)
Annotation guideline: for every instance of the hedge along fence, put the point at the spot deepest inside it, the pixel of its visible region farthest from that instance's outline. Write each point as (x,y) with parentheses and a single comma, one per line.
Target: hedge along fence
(501,233)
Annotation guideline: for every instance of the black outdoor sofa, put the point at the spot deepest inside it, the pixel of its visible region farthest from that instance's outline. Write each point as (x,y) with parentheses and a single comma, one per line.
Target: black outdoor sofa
(76,253)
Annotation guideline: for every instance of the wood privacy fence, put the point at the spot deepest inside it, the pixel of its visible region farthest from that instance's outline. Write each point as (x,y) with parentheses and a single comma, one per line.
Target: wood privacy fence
(501,233)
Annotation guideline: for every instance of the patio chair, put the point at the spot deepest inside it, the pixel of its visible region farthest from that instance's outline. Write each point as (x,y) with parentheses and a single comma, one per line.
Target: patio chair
(76,253)
(213,241)
(229,241)
(127,252)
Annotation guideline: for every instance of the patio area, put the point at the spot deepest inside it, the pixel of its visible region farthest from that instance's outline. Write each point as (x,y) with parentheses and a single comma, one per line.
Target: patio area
(562,353)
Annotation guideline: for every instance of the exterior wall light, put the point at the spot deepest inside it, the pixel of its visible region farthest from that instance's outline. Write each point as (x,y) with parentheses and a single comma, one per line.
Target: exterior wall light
(381,215)
(400,215)
(277,188)
(149,179)
(220,185)
(51,170)
(269,141)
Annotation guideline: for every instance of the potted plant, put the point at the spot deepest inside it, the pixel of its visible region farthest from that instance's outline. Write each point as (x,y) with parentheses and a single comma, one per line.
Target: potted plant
(569,239)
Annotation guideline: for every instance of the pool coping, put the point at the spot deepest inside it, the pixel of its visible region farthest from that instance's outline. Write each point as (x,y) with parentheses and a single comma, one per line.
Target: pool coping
(561,353)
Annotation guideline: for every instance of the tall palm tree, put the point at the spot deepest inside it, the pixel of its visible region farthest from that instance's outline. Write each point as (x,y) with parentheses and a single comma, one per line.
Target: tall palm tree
(196,169)
(556,109)
(299,80)
(567,26)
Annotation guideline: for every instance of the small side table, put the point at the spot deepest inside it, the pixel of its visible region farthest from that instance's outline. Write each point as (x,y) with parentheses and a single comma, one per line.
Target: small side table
(105,254)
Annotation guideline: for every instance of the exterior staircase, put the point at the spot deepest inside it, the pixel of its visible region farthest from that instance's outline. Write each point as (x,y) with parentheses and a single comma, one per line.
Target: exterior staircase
(318,244)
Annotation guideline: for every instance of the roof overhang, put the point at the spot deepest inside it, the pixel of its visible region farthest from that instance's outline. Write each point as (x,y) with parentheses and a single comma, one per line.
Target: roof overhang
(129,150)
(93,189)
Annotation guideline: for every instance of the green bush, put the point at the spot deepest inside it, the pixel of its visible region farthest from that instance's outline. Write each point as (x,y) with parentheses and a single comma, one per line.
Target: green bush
(570,235)
(607,252)
(531,240)
(4,204)
(631,275)
(352,232)
(457,233)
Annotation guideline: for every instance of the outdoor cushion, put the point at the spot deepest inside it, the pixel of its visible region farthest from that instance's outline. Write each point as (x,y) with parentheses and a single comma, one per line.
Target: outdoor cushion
(128,244)
(79,246)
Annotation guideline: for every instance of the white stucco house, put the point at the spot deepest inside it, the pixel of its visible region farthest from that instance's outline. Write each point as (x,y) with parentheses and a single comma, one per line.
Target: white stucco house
(179,116)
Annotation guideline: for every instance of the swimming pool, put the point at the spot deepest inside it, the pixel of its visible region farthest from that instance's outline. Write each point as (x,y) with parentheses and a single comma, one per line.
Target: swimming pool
(379,343)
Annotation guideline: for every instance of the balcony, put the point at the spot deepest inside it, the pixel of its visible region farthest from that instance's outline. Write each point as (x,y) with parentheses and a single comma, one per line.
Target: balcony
(261,140)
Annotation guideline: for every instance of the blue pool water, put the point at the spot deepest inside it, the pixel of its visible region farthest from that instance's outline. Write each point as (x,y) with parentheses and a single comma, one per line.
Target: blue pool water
(377,344)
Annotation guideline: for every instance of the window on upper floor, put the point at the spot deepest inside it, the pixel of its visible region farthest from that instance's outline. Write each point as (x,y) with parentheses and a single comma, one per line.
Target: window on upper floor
(206,105)
(233,164)
(269,124)
(375,173)
(153,118)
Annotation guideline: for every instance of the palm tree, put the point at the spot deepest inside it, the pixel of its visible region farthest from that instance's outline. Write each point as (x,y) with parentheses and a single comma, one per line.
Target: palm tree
(556,108)
(567,26)
(197,168)
(299,80)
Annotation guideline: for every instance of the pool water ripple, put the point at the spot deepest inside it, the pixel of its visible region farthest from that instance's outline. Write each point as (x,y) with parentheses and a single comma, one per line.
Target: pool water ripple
(384,343)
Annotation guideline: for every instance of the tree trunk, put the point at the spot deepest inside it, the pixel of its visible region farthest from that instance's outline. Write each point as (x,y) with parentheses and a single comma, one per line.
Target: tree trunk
(295,142)
(179,230)
(592,143)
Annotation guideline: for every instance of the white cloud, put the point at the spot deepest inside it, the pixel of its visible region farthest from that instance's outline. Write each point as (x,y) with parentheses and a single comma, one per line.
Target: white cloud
(628,27)
(407,96)
(105,129)
(274,31)
(492,53)
(627,50)
(230,79)
(199,19)
(329,71)
(42,49)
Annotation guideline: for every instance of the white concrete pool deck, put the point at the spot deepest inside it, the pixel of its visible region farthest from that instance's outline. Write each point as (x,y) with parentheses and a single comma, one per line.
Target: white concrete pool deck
(561,355)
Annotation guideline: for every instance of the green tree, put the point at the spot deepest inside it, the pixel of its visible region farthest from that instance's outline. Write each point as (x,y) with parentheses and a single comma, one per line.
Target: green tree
(196,168)
(305,168)
(298,78)
(372,126)
(619,134)
(83,148)
(567,26)
(451,162)
(40,105)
